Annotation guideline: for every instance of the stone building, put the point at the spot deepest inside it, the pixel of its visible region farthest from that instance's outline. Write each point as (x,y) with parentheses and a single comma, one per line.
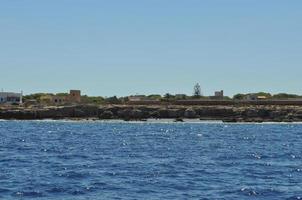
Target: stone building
(74,96)
(58,99)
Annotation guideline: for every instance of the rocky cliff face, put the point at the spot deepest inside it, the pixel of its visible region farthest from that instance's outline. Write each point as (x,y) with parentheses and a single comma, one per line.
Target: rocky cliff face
(224,113)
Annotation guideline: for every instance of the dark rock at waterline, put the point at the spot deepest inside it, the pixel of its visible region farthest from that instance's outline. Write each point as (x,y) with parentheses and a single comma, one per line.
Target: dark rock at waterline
(224,113)
(230,120)
(178,120)
(106,115)
(129,114)
(190,113)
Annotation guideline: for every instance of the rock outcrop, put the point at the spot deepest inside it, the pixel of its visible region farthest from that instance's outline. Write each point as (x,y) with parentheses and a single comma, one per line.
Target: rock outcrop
(224,113)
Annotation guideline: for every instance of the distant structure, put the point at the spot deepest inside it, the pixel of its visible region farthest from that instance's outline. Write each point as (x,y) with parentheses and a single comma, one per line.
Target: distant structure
(219,94)
(58,99)
(10,98)
(53,100)
(74,96)
(48,99)
(137,98)
(254,97)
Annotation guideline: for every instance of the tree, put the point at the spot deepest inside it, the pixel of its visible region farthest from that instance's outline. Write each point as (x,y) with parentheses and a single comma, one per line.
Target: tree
(112,100)
(239,96)
(168,97)
(197,91)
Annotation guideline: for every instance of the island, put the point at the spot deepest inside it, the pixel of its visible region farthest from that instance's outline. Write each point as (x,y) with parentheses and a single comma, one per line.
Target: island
(260,107)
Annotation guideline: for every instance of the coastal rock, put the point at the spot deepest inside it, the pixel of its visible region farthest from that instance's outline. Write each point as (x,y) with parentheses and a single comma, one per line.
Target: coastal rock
(263,113)
(123,113)
(154,114)
(132,114)
(137,114)
(17,114)
(175,113)
(106,115)
(88,111)
(230,120)
(190,113)
(277,114)
(113,109)
(79,113)
(220,112)
(226,113)
(250,113)
(163,113)
(178,120)
(297,114)
(51,113)
(172,113)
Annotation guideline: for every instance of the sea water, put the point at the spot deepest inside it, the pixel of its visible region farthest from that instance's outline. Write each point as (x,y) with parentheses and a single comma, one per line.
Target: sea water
(113,160)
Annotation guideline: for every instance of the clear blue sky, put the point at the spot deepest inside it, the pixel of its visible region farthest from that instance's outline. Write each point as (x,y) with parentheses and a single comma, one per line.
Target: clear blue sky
(121,47)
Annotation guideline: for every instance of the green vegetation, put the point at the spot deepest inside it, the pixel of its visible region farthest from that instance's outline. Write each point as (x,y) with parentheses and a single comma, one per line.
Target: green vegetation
(267,95)
(169,97)
(155,97)
(62,94)
(197,91)
(258,94)
(227,98)
(285,96)
(113,100)
(93,100)
(36,96)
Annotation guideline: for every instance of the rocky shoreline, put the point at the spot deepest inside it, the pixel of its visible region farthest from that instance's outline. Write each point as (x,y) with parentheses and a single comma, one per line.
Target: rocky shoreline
(178,113)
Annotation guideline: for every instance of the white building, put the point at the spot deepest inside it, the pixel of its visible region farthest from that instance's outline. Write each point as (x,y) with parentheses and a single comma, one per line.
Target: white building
(10,98)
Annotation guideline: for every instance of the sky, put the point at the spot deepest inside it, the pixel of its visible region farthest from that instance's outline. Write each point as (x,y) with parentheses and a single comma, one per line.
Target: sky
(118,47)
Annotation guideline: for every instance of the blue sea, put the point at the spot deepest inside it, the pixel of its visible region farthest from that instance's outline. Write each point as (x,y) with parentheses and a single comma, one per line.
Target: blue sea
(50,160)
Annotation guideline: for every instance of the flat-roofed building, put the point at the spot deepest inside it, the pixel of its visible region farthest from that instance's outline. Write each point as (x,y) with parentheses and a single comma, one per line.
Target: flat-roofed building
(218,95)
(10,98)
